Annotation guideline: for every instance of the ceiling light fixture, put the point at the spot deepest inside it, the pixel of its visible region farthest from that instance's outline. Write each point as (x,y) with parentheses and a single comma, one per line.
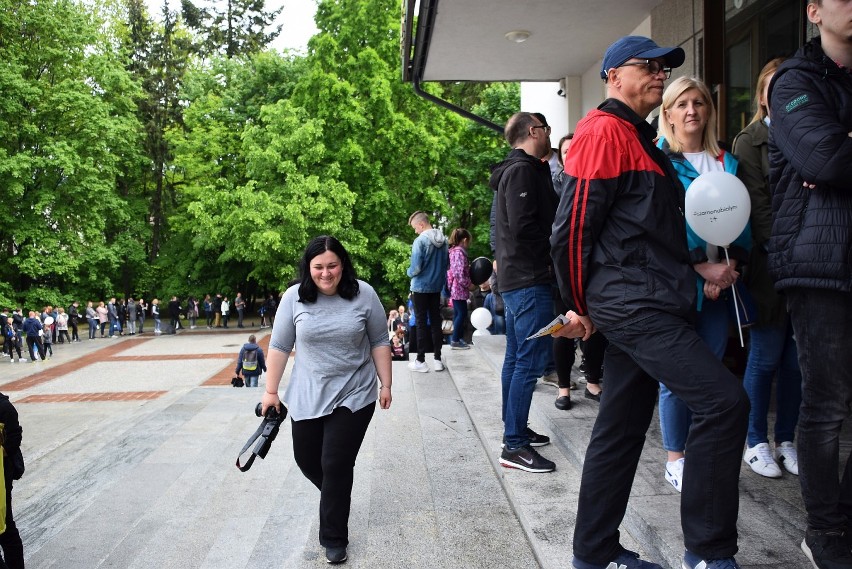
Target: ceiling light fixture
(518,36)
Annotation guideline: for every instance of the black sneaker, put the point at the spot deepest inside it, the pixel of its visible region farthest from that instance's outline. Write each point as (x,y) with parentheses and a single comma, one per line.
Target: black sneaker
(525,458)
(335,555)
(827,549)
(536,440)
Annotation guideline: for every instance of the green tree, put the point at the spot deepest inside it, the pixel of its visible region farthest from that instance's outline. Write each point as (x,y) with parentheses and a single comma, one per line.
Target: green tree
(67,129)
(210,157)
(232,28)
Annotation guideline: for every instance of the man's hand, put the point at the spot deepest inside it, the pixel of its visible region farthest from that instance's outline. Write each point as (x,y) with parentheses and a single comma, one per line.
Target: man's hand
(577,327)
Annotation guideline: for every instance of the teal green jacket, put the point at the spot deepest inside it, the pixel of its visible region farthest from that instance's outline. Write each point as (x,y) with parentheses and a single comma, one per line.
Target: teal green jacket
(686,173)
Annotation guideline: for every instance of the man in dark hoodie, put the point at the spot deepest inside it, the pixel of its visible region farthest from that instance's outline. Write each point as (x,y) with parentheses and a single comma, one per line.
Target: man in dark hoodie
(251,364)
(810,157)
(524,212)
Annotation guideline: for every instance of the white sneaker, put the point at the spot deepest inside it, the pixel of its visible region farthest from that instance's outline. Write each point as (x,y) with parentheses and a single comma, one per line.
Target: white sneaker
(438,365)
(786,454)
(760,459)
(418,366)
(674,473)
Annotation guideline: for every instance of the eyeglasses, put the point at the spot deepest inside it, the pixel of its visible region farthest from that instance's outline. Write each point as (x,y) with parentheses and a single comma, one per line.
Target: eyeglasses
(654,66)
(544,126)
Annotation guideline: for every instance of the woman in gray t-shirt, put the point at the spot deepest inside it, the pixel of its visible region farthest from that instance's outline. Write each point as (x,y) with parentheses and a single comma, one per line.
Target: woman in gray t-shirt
(337,325)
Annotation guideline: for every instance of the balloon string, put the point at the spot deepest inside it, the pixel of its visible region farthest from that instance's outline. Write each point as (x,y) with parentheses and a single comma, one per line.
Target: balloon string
(736,304)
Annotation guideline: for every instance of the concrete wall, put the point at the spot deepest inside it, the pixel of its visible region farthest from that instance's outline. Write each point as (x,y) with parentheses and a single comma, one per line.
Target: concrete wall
(673,22)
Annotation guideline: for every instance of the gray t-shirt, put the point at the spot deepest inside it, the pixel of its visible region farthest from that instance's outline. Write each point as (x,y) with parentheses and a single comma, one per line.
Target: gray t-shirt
(333,338)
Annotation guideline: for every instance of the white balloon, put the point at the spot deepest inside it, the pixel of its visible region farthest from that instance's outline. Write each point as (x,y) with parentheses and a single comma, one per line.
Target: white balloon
(717,207)
(482,332)
(480,318)
(48,321)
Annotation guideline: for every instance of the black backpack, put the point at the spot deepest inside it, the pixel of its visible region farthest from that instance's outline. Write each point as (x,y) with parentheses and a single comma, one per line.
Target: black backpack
(250,360)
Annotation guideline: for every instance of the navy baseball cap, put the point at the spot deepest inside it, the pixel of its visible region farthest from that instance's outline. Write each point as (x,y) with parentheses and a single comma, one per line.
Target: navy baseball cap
(640,47)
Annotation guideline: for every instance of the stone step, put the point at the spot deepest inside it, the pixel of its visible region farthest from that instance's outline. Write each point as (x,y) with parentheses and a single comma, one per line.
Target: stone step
(771,521)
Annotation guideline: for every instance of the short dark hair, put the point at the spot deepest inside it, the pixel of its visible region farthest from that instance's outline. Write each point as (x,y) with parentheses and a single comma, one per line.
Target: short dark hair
(252,339)
(348,287)
(559,157)
(518,127)
(540,117)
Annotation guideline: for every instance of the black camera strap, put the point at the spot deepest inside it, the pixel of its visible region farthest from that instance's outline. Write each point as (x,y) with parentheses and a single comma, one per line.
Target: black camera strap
(264,435)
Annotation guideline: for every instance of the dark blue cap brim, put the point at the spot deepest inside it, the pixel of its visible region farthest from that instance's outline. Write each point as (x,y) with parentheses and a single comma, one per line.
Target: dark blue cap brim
(674,56)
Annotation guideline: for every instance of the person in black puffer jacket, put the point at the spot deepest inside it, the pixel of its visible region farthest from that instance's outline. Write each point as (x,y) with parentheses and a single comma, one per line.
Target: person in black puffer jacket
(810,259)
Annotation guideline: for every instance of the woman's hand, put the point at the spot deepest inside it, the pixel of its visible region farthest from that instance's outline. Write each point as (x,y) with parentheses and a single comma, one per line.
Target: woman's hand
(382,360)
(268,400)
(385,397)
(712,291)
(719,274)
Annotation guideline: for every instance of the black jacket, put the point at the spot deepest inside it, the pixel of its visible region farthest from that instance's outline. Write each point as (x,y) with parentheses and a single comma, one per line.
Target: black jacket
(811,110)
(13,461)
(526,205)
(619,240)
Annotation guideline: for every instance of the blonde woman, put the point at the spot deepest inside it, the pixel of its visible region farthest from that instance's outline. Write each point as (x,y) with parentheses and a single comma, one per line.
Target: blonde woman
(155,313)
(688,139)
(103,316)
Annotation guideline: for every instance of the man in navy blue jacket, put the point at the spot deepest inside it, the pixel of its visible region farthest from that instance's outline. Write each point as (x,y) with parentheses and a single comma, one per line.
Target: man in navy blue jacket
(31,328)
(810,258)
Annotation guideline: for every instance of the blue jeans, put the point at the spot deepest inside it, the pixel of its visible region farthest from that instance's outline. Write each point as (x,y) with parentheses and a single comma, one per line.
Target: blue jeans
(498,324)
(664,348)
(527,310)
(675,416)
(822,321)
(459,319)
(773,349)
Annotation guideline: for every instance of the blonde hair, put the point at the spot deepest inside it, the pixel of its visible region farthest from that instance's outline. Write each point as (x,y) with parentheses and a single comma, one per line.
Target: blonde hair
(677,88)
(761,111)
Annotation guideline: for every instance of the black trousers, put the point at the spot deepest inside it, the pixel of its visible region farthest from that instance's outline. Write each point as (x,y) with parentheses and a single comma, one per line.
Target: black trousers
(325,449)
(663,347)
(34,341)
(427,306)
(563,348)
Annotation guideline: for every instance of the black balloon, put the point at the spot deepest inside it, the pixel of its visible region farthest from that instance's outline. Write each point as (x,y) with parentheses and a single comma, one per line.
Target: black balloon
(480,270)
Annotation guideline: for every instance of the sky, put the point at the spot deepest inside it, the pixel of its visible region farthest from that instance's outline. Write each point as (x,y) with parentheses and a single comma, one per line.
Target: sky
(298,23)
(297,20)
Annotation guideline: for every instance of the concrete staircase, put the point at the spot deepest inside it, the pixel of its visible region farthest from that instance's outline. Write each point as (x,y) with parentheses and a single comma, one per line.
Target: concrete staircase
(772,518)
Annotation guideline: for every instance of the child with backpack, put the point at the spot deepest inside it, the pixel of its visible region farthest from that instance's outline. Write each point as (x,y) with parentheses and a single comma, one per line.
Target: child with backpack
(12,341)
(251,362)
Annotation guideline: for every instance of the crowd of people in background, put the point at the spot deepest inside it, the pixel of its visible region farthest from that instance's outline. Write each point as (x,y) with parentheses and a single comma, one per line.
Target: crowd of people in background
(35,333)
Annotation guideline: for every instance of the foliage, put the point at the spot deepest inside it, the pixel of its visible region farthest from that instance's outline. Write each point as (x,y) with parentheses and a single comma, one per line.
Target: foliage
(231,28)
(182,156)
(66,131)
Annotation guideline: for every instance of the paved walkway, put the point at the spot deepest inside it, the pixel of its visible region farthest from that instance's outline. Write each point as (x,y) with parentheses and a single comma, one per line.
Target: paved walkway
(130,447)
